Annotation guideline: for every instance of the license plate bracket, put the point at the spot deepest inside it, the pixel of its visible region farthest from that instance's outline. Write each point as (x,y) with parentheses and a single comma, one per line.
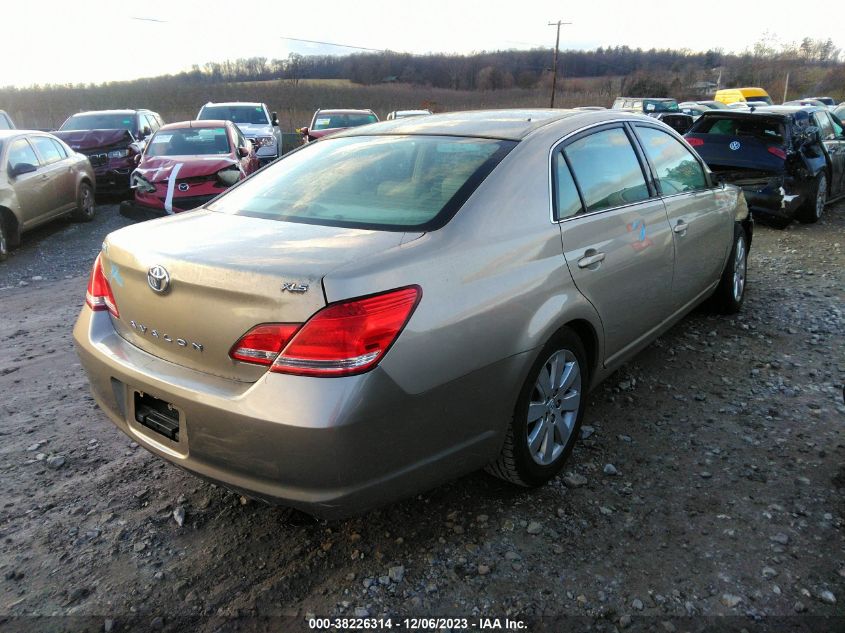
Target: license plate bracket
(157,415)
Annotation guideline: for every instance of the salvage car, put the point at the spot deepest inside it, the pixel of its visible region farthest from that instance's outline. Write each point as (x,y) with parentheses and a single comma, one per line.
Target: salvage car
(111,139)
(663,109)
(186,165)
(788,160)
(256,122)
(325,122)
(400,304)
(6,121)
(41,179)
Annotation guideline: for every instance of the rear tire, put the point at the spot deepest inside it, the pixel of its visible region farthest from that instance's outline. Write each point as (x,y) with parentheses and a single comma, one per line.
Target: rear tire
(84,211)
(811,210)
(730,293)
(547,415)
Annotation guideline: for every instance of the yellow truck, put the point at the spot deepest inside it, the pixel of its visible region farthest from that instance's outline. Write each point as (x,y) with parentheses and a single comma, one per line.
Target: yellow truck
(750,95)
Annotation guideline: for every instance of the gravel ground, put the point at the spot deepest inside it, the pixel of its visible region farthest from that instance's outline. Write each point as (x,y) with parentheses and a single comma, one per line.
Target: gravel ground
(710,481)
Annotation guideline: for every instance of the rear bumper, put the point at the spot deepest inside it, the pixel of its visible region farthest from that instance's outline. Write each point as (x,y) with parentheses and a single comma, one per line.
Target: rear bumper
(332,447)
(779,200)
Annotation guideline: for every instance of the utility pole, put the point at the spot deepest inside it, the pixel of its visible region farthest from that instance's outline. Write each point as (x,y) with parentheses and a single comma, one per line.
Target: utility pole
(554,63)
(786,87)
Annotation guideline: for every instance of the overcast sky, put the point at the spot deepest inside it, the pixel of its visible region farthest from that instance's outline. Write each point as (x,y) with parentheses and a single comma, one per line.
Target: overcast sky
(57,41)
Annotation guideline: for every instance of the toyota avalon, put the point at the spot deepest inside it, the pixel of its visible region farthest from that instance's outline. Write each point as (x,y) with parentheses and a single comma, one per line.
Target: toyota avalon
(404,303)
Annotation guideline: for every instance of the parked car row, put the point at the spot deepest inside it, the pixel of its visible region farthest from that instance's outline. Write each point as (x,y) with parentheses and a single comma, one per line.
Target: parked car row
(396,305)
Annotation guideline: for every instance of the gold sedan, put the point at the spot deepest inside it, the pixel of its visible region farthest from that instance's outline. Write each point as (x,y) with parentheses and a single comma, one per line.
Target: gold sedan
(41,179)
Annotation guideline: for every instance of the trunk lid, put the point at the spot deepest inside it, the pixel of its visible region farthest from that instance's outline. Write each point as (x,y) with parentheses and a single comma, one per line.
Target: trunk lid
(225,277)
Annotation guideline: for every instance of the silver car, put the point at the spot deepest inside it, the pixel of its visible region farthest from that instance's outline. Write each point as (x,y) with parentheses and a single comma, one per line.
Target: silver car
(254,120)
(404,303)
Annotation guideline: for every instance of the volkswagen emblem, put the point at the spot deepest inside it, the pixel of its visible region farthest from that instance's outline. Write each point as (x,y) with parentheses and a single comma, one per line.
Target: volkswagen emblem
(734,145)
(183,186)
(158,278)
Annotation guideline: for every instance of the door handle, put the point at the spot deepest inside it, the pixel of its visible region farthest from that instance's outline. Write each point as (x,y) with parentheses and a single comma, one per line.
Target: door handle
(590,257)
(681,227)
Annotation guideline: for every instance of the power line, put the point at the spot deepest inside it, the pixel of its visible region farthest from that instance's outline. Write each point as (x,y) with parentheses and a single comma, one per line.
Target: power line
(360,48)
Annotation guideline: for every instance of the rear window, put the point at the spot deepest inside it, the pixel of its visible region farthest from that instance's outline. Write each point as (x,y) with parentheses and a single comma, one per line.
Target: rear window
(766,100)
(100,122)
(654,105)
(757,127)
(381,182)
(329,121)
(189,142)
(252,115)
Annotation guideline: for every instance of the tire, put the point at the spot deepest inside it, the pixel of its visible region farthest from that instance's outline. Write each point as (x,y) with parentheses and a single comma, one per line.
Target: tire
(557,423)
(4,241)
(730,293)
(84,211)
(811,210)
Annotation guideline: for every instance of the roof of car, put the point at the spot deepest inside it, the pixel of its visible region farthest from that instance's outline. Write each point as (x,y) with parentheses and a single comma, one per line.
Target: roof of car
(773,110)
(118,111)
(10,133)
(499,124)
(345,111)
(234,103)
(649,98)
(195,124)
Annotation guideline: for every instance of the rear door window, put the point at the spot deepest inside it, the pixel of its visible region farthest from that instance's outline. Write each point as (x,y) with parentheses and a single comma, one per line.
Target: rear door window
(5,123)
(677,170)
(607,170)
(47,148)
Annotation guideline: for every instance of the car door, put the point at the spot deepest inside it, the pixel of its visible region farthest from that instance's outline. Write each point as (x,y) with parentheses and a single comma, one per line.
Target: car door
(57,167)
(33,189)
(831,135)
(702,228)
(615,235)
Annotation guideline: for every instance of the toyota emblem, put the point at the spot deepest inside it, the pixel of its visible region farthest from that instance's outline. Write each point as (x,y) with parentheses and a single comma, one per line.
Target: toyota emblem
(183,186)
(158,278)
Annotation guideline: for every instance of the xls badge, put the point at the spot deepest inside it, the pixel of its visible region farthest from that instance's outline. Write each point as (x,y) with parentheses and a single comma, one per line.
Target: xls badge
(294,286)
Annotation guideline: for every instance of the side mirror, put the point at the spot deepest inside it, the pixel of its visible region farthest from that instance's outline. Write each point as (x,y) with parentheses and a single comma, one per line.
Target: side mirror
(146,131)
(304,131)
(136,159)
(243,151)
(275,118)
(22,168)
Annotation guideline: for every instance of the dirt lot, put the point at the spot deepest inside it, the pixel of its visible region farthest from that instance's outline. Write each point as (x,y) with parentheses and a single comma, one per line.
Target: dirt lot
(727,437)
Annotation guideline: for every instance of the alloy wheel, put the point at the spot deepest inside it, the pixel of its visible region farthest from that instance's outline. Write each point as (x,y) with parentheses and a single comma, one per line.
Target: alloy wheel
(740,266)
(553,407)
(821,196)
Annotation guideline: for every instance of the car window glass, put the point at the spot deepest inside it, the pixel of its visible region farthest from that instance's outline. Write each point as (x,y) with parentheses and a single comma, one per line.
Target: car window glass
(825,127)
(607,170)
(47,149)
(837,125)
(21,153)
(567,201)
(5,124)
(677,170)
(59,148)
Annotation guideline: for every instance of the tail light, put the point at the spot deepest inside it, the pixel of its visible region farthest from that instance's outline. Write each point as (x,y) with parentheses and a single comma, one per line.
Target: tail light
(694,141)
(99,295)
(263,343)
(349,337)
(777,151)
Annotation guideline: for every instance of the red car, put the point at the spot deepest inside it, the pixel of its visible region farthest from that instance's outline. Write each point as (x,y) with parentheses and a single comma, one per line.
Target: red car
(186,165)
(325,122)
